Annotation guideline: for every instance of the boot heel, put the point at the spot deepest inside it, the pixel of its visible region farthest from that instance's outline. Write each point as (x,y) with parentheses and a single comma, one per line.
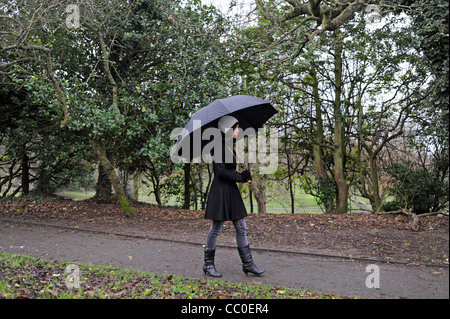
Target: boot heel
(212,272)
(248,266)
(209,268)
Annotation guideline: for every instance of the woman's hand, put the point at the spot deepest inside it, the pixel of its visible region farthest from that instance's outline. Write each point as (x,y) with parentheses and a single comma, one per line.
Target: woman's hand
(246,176)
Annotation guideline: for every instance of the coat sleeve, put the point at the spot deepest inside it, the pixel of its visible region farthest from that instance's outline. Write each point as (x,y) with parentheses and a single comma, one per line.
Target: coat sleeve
(226,173)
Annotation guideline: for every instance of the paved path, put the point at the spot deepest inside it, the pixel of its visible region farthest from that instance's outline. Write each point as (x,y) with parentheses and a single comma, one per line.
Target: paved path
(299,271)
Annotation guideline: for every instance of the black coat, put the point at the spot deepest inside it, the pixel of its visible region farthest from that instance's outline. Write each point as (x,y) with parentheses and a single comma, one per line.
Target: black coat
(224,199)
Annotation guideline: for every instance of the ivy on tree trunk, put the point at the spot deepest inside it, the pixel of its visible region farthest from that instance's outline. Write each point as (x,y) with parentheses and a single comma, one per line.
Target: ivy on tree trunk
(118,189)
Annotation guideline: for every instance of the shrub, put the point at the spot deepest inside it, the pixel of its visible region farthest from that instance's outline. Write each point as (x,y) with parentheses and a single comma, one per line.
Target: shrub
(417,189)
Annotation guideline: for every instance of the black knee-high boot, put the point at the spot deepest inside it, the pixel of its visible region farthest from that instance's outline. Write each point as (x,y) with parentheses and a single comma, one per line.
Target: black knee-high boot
(209,268)
(248,266)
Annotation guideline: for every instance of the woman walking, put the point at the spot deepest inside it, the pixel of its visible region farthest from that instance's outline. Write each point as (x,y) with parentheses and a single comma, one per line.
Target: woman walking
(225,203)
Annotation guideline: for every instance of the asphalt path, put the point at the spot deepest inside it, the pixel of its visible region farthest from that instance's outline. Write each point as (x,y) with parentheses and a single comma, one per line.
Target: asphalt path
(293,270)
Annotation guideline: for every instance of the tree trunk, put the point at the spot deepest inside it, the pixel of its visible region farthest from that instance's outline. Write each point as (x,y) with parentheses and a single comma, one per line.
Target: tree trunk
(319,165)
(154,178)
(250,198)
(103,188)
(291,193)
(194,188)
(109,169)
(290,184)
(43,187)
(25,174)
(376,201)
(260,194)
(136,182)
(187,186)
(44,178)
(339,130)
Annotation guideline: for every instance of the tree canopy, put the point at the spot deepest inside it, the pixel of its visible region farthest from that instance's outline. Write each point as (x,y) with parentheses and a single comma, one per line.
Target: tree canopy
(361,88)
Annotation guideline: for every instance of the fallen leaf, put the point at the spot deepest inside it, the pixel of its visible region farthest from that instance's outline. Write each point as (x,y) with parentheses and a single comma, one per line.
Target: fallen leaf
(252,282)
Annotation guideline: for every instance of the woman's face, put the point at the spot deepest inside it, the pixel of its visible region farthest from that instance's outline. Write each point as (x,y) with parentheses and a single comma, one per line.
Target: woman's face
(236,131)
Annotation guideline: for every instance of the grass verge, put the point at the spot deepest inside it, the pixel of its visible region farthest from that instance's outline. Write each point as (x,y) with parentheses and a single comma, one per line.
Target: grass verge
(28,277)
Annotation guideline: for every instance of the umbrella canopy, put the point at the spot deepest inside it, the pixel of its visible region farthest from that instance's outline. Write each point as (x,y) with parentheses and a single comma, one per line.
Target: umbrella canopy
(250,111)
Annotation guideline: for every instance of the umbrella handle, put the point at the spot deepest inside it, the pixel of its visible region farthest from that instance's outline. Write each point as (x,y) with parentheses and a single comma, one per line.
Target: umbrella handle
(242,165)
(249,180)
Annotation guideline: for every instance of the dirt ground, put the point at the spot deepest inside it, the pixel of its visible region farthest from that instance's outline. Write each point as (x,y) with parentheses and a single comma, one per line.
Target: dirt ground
(387,237)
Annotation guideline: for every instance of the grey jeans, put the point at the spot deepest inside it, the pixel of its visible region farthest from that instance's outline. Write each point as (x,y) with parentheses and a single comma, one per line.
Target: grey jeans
(216,228)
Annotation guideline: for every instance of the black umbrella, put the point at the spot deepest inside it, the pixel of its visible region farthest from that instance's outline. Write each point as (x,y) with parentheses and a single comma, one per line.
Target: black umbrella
(250,111)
